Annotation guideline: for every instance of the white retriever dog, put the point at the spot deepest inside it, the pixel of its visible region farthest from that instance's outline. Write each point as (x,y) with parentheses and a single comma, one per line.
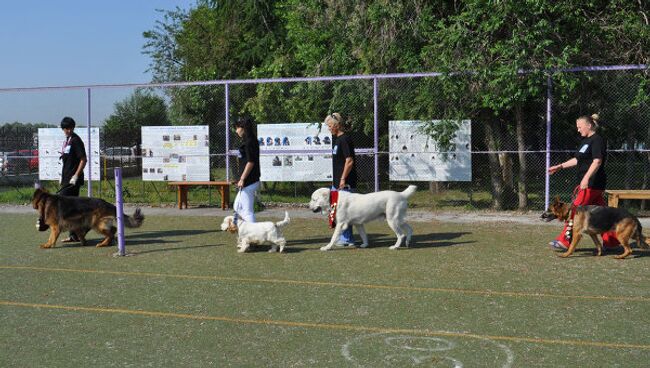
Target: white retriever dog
(358,209)
(257,232)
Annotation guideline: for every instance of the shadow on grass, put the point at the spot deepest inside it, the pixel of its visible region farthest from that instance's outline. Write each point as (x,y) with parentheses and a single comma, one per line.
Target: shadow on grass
(176,248)
(165,233)
(433,240)
(591,252)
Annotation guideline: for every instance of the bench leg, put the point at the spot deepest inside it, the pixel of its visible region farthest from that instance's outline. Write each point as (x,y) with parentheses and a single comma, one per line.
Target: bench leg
(179,197)
(185,190)
(225,197)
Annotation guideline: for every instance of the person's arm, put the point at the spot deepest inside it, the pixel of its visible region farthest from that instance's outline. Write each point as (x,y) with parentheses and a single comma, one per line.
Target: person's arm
(347,168)
(81,153)
(247,170)
(595,164)
(565,165)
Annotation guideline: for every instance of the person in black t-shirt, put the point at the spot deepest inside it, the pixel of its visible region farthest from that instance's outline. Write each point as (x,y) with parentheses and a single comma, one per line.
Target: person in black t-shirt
(590,161)
(344,172)
(73,155)
(249,170)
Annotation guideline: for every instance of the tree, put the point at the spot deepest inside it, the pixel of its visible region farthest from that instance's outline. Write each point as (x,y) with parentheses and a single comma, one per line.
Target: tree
(494,41)
(142,108)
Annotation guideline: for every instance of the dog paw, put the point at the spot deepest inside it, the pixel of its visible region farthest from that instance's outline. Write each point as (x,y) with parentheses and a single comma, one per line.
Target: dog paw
(564,255)
(363,245)
(393,247)
(45,245)
(325,248)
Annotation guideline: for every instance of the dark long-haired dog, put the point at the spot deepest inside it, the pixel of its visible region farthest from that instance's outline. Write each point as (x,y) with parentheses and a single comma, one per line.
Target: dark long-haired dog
(596,220)
(78,215)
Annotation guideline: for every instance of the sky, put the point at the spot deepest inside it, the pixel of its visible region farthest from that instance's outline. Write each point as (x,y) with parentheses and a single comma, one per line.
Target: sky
(72,43)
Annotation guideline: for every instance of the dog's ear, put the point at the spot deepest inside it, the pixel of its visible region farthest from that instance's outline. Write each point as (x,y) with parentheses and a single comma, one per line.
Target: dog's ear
(556,200)
(232,227)
(37,197)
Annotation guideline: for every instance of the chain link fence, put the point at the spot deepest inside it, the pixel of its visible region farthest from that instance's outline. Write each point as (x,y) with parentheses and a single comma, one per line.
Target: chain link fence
(510,149)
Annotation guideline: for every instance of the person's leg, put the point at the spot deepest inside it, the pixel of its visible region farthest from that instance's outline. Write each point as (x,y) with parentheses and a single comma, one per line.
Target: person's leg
(71,191)
(564,238)
(245,202)
(347,236)
(609,238)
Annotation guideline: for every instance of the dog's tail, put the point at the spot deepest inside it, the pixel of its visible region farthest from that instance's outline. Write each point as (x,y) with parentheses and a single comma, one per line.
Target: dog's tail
(136,220)
(409,191)
(284,222)
(641,240)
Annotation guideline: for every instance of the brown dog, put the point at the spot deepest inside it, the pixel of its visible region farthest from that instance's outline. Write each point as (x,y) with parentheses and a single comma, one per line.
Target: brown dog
(596,220)
(78,215)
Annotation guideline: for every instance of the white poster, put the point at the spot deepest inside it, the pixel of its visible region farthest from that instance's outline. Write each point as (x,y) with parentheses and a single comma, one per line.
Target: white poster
(415,156)
(50,144)
(295,152)
(176,153)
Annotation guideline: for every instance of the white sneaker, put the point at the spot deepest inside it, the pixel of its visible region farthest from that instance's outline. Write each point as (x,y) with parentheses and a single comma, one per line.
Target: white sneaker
(344,244)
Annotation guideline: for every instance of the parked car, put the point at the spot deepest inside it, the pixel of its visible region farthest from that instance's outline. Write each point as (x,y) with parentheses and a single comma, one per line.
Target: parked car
(119,156)
(20,162)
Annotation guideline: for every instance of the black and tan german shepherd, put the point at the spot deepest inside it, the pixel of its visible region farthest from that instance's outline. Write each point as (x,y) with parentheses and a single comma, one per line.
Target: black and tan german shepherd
(596,220)
(78,215)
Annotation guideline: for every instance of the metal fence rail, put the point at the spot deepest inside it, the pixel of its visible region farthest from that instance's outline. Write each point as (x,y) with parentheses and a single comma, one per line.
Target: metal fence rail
(371,101)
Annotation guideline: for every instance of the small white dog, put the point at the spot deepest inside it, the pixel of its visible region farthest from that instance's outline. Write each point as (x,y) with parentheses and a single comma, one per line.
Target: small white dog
(256,232)
(358,209)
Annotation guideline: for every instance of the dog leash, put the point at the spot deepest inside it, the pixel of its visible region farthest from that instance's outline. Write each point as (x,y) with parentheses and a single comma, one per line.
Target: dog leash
(568,233)
(235,216)
(64,188)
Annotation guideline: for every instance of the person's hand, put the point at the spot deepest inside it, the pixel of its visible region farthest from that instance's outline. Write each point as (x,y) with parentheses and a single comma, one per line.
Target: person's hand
(554,169)
(240,183)
(584,183)
(73,179)
(342,183)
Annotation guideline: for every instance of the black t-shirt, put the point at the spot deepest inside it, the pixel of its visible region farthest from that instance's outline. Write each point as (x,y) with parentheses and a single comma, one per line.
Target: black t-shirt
(73,152)
(342,148)
(589,149)
(250,152)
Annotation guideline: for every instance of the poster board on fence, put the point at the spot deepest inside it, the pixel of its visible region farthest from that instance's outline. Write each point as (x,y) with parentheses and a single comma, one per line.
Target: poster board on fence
(416,156)
(176,153)
(295,152)
(50,144)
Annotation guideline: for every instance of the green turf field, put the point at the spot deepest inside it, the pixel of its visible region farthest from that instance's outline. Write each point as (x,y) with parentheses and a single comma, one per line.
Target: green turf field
(481,295)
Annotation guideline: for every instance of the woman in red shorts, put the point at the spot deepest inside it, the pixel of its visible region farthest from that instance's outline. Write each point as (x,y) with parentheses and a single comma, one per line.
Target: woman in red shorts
(590,161)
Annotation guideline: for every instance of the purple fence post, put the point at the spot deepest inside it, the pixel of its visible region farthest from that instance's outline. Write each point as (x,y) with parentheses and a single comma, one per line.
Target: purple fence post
(549,95)
(375,93)
(90,153)
(120,211)
(227,93)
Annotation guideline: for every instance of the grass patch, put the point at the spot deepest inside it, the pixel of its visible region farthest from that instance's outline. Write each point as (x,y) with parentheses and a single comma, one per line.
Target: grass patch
(481,295)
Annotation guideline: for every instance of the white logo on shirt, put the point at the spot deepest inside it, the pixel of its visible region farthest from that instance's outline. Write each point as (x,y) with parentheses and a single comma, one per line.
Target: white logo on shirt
(334,149)
(583,149)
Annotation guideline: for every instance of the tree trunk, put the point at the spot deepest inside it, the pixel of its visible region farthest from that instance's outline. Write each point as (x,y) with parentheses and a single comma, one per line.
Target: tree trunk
(498,186)
(521,147)
(500,167)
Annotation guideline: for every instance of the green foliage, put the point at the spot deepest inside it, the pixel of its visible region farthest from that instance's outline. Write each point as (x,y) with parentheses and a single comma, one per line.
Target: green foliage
(140,109)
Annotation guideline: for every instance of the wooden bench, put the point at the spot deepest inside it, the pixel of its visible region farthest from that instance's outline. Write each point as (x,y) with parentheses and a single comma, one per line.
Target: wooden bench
(613,196)
(183,186)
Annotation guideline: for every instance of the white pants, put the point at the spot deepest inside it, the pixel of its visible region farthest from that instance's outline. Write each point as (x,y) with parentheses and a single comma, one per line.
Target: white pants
(245,202)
